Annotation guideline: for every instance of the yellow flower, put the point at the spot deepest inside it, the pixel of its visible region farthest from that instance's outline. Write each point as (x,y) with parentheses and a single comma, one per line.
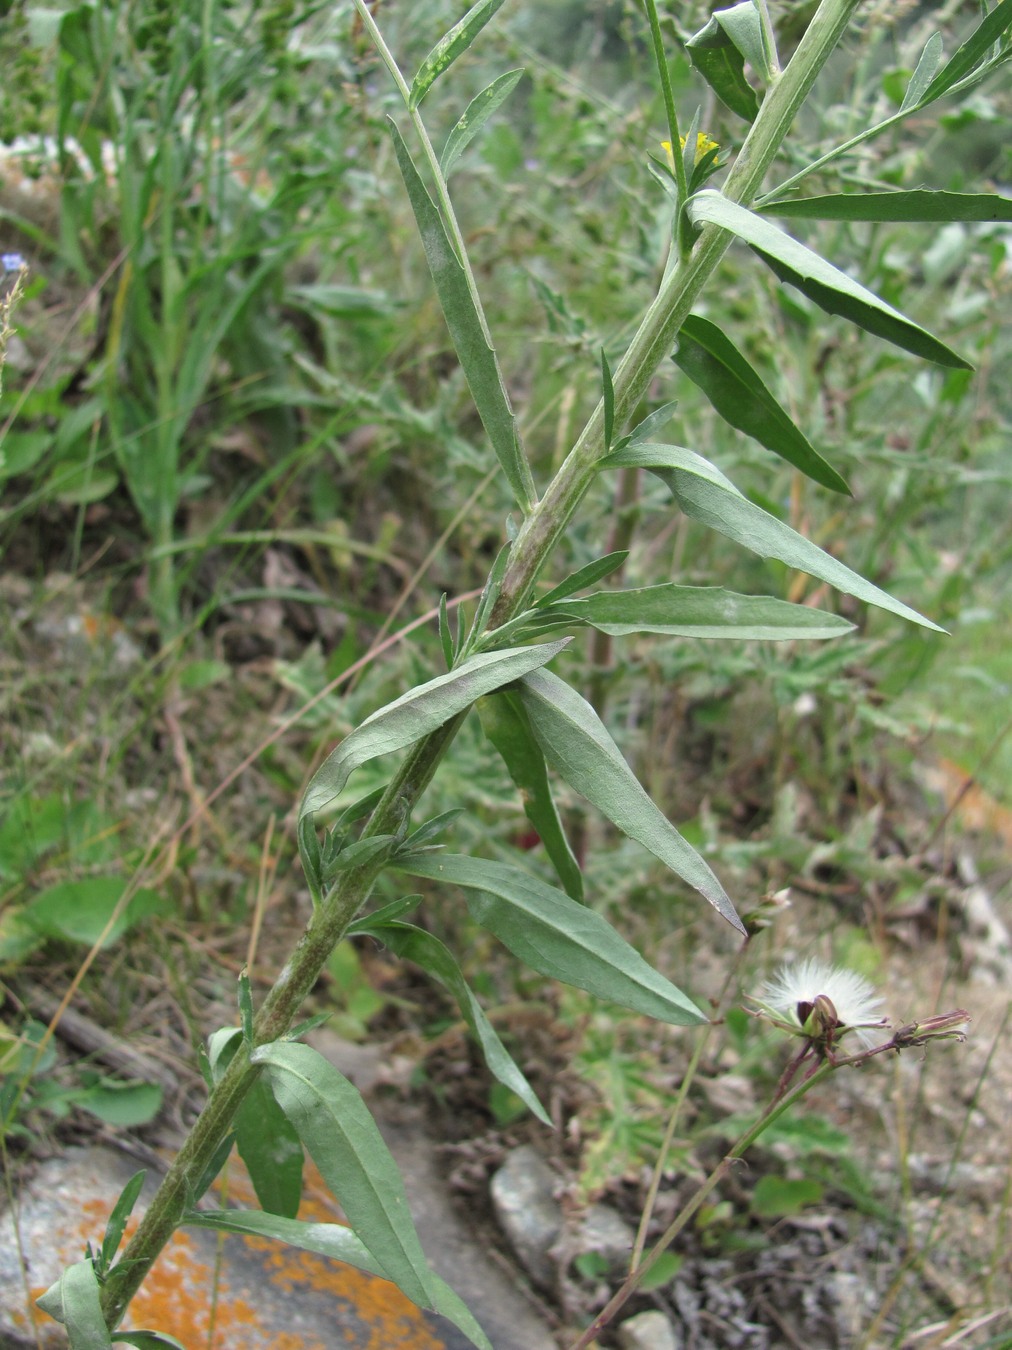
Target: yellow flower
(704,144)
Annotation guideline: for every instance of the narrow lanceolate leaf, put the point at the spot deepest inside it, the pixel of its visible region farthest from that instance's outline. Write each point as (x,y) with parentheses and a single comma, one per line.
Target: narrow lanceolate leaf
(74,1301)
(337,1242)
(506,724)
(704,494)
(586,576)
(714,363)
(832,290)
(334,1124)
(701,612)
(450,46)
(992,28)
(927,63)
(558,937)
(419,712)
(468,331)
(577,745)
(474,117)
(425,950)
(918,205)
(148,1340)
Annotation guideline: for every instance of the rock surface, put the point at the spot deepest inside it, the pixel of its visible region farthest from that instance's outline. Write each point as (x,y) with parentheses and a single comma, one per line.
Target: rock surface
(528,1213)
(647,1331)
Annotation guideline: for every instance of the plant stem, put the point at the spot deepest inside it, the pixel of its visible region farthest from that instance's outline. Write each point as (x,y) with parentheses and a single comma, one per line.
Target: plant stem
(537,537)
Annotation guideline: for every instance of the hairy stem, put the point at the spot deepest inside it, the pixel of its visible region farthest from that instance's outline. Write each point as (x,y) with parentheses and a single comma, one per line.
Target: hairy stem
(538,535)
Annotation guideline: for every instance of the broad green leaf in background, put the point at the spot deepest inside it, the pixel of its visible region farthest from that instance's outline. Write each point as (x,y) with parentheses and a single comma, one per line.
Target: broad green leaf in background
(79,910)
(704,494)
(558,937)
(415,944)
(337,1242)
(122,1104)
(468,331)
(832,290)
(577,745)
(507,726)
(722,65)
(334,1124)
(714,363)
(474,117)
(702,612)
(419,712)
(918,205)
(74,1301)
(450,46)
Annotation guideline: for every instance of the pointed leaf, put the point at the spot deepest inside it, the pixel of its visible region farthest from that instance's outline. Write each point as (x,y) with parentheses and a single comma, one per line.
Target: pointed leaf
(586,576)
(334,1124)
(419,712)
(722,66)
(704,494)
(832,290)
(450,46)
(474,117)
(74,1301)
(506,724)
(991,29)
(148,1340)
(916,205)
(744,27)
(269,1146)
(660,417)
(714,363)
(337,1242)
(577,745)
(117,1221)
(702,612)
(927,63)
(609,400)
(558,937)
(468,331)
(425,950)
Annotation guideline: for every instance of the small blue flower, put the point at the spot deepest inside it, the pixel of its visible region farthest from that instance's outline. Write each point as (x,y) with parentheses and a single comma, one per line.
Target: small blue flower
(12,262)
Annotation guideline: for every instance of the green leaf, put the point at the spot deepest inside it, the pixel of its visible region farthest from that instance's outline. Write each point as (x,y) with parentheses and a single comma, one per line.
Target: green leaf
(334,1124)
(507,726)
(558,937)
(586,576)
(992,28)
(79,910)
(122,1104)
(246,1006)
(267,1141)
(775,1197)
(477,113)
(703,612)
(269,1145)
(388,913)
(337,1242)
(577,745)
(608,396)
(450,46)
(425,950)
(704,494)
(468,331)
(445,637)
(660,417)
(147,1340)
(743,26)
(74,1301)
(918,205)
(714,363)
(721,64)
(117,1221)
(831,289)
(419,712)
(927,63)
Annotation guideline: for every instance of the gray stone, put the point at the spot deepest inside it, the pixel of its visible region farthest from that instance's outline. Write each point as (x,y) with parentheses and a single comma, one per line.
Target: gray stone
(606,1233)
(525,1205)
(647,1331)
